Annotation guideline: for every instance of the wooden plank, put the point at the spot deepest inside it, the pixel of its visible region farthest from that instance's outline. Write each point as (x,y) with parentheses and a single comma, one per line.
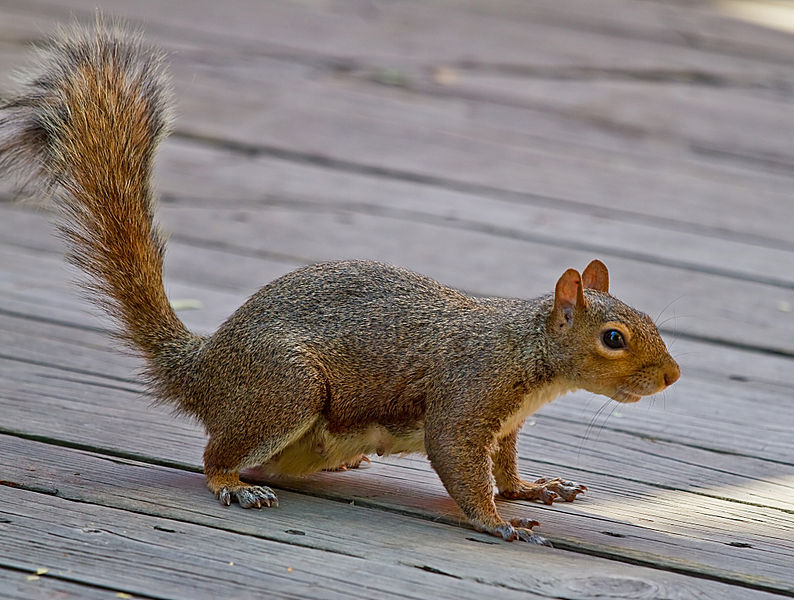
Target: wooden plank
(493,269)
(654,525)
(696,119)
(707,27)
(196,175)
(311,522)
(158,558)
(501,266)
(559,33)
(412,137)
(202,176)
(627,537)
(26,585)
(611,105)
(409,136)
(39,285)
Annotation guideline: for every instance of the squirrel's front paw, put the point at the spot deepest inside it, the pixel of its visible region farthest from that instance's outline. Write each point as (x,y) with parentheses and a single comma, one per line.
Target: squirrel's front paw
(248,496)
(545,490)
(520,529)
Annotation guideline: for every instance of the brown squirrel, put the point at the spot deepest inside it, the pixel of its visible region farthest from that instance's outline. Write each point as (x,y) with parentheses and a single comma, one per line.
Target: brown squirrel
(330,362)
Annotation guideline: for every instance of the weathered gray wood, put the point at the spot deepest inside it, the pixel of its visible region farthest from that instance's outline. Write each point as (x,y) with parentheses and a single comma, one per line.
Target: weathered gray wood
(703,120)
(696,25)
(193,174)
(342,120)
(307,521)
(656,129)
(651,527)
(201,176)
(495,265)
(645,522)
(161,558)
(560,33)
(375,130)
(26,585)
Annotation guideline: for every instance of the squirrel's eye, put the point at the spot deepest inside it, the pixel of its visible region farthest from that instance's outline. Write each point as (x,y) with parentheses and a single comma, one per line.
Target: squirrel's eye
(612,338)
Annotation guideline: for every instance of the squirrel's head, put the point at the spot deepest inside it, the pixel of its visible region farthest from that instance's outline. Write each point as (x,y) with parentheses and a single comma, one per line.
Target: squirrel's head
(607,347)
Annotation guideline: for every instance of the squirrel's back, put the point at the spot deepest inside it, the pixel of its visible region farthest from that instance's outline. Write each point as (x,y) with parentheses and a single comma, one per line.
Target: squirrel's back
(374,330)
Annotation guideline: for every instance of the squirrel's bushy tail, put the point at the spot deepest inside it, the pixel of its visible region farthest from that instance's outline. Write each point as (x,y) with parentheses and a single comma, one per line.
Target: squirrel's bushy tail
(86,125)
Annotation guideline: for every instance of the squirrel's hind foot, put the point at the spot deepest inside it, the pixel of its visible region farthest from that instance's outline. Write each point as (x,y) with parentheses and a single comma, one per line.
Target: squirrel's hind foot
(228,487)
(545,490)
(248,496)
(520,529)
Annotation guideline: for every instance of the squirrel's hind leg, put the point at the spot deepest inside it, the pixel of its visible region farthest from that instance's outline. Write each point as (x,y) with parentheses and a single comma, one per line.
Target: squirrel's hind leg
(282,411)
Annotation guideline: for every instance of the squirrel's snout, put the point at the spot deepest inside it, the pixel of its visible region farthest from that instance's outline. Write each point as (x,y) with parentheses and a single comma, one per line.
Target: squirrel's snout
(671,374)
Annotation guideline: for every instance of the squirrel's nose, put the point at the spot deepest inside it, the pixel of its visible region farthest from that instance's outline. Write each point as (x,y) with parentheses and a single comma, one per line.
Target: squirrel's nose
(671,374)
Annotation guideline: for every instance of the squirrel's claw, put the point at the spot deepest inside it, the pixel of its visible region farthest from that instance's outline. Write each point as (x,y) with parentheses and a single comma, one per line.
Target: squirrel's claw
(566,490)
(520,529)
(526,535)
(524,523)
(545,490)
(249,496)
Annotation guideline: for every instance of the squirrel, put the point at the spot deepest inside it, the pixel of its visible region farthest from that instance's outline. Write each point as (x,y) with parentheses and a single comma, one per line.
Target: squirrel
(333,361)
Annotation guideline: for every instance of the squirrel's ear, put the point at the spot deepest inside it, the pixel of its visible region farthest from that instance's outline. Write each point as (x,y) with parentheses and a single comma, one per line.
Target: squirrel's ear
(567,296)
(596,277)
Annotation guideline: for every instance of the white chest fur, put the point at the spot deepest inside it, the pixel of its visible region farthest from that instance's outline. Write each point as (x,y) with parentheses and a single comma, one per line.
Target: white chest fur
(531,402)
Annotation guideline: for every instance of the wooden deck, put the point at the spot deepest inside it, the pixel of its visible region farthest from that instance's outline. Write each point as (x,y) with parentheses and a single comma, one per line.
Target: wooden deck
(489,144)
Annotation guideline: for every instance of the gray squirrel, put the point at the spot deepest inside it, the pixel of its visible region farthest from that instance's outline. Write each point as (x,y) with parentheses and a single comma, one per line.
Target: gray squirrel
(330,362)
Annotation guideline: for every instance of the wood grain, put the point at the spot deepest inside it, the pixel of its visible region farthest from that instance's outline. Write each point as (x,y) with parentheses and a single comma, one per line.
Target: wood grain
(388,539)
(139,553)
(654,525)
(26,585)
(345,120)
(487,144)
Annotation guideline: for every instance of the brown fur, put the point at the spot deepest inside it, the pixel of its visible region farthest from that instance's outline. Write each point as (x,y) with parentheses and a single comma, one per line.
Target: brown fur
(329,362)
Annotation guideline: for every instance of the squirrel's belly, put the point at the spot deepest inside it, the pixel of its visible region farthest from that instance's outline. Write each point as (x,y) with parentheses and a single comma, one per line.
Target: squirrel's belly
(321,449)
